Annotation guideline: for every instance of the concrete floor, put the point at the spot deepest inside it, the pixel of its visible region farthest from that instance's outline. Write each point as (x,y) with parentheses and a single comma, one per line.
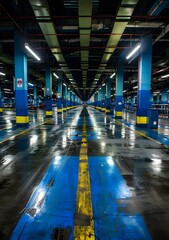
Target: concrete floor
(128,169)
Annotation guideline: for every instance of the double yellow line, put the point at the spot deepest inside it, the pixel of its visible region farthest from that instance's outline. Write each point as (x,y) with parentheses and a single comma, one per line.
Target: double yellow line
(84,224)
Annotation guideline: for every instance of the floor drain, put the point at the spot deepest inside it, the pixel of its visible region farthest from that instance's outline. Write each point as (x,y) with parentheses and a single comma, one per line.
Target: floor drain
(61,234)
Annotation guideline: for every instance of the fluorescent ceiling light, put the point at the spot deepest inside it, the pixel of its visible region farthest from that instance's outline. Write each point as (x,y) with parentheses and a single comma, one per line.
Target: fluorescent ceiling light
(55,75)
(133,51)
(135,87)
(30,84)
(124,91)
(103,84)
(1,73)
(165,76)
(64,84)
(32,52)
(112,75)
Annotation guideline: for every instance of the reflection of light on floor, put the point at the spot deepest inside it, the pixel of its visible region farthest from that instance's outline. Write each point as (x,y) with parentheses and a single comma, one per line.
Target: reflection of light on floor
(7,159)
(44,136)
(39,201)
(57,161)
(156,162)
(64,141)
(33,139)
(110,161)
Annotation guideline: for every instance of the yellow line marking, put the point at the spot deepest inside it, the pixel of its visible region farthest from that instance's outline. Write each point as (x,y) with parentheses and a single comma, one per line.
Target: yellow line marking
(5,128)
(141,134)
(23,132)
(84,224)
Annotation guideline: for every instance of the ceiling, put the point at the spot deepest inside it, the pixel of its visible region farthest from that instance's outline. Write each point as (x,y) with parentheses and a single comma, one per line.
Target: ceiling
(82,40)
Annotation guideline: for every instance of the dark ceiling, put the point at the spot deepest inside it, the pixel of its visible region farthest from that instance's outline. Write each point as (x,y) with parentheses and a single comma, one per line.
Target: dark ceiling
(82,40)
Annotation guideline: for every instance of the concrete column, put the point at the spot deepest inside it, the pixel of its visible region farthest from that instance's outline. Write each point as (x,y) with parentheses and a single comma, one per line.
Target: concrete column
(145,68)
(103,96)
(119,90)
(108,95)
(59,97)
(35,95)
(1,100)
(21,84)
(64,97)
(48,92)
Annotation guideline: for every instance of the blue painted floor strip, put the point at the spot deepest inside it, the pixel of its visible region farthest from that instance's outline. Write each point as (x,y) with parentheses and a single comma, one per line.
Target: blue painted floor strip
(53,203)
(110,194)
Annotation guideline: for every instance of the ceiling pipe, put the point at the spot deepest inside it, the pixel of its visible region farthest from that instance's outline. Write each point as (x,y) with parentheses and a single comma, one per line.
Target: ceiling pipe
(11,18)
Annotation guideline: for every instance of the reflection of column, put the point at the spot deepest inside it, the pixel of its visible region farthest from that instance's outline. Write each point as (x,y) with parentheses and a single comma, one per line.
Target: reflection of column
(48,92)
(21,85)
(59,97)
(108,95)
(145,67)
(119,90)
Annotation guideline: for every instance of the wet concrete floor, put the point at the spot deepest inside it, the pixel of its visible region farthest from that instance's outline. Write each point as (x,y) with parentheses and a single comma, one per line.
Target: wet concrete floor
(26,152)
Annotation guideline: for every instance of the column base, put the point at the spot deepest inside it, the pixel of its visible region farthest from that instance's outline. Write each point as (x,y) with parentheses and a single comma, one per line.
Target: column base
(22,120)
(141,121)
(59,110)
(49,113)
(107,111)
(118,115)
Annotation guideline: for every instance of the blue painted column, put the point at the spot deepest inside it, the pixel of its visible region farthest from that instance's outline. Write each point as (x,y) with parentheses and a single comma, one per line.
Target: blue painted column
(64,97)
(119,90)
(35,96)
(68,98)
(59,97)
(71,99)
(48,92)
(21,84)
(164,96)
(108,95)
(1,100)
(151,99)
(96,100)
(99,99)
(103,94)
(145,67)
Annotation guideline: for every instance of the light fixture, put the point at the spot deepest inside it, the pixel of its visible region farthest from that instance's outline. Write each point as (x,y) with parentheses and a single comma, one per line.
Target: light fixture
(64,84)
(56,75)
(165,76)
(124,91)
(135,87)
(103,84)
(138,46)
(32,52)
(1,73)
(112,75)
(30,84)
